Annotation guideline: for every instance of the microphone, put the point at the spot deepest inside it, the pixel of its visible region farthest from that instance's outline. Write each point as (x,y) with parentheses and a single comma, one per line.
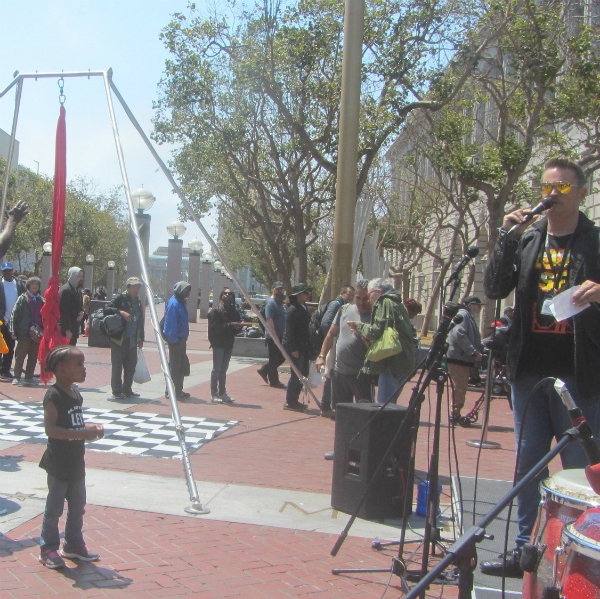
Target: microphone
(541,207)
(591,448)
(469,255)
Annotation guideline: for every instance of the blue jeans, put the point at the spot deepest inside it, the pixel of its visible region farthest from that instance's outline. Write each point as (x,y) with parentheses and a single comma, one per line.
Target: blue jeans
(218,376)
(58,491)
(546,419)
(294,387)
(389,385)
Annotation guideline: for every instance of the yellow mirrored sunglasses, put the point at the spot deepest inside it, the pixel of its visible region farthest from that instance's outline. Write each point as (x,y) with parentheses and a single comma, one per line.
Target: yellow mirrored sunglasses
(563,187)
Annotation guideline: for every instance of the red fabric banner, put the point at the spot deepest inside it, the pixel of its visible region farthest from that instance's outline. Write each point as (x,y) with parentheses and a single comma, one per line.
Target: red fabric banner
(50,310)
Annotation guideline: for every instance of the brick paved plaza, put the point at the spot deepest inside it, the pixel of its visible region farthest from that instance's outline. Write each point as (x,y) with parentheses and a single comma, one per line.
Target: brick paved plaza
(265,480)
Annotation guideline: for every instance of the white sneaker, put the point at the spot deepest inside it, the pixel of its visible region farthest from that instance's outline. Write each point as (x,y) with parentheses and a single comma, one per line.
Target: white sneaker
(216,399)
(15,381)
(226,399)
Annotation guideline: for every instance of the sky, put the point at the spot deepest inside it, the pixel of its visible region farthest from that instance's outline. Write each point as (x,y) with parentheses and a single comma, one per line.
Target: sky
(76,35)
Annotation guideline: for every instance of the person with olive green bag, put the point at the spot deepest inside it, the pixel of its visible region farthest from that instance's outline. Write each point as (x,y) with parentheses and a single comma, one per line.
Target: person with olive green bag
(390,339)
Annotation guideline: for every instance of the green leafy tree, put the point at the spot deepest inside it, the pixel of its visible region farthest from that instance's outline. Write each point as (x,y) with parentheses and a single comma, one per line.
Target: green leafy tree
(252,101)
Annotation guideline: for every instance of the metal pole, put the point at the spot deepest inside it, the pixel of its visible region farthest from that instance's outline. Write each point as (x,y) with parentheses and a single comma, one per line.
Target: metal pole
(345,195)
(11,149)
(18,77)
(210,240)
(193,280)
(196,507)
(487,400)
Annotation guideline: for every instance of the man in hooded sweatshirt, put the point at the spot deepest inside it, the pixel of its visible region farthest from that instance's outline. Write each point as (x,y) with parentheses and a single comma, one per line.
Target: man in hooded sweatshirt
(176,329)
(71,305)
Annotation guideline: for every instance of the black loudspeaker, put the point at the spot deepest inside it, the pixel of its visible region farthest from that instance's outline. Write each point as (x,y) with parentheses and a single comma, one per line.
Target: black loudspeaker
(356,458)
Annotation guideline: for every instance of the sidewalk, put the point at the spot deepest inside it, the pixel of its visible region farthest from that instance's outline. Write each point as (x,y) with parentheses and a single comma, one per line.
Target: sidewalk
(271,526)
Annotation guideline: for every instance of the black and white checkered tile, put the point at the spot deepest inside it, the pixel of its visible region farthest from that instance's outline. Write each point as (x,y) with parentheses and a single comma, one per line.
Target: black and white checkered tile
(136,433)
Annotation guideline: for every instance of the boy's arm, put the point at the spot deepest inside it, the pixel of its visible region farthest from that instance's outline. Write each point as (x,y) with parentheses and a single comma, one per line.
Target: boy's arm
(89,433)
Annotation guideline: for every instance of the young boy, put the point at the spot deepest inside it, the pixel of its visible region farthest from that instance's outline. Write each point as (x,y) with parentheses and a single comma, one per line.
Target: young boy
(63,459)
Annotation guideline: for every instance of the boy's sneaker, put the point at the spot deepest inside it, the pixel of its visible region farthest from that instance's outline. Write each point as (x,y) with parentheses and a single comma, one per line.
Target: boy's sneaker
(30,381)
(16,381)
(216,399)
(84,554)
(226,399)
(52,560)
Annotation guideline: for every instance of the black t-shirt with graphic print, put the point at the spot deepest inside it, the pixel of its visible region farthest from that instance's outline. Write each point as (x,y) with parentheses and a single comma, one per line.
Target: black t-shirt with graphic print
(550,348)
(64,458)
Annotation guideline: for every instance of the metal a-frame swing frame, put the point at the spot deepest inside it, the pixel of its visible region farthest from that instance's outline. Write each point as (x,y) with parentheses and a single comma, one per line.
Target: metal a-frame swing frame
(196,506)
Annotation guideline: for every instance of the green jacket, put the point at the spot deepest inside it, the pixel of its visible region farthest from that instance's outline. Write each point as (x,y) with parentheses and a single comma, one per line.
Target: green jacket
(390,311)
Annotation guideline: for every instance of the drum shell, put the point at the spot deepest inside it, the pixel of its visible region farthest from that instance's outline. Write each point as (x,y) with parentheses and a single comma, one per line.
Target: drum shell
(565,497)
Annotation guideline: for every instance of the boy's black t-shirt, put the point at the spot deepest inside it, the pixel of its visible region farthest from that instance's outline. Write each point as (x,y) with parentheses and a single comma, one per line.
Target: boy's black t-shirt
(64,458)
(551,345)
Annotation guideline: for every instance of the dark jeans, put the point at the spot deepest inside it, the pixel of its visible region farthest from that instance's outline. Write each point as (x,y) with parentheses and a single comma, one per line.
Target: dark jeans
(218,376)
(123,359)
(326,397)
(6,359)
(75,336)
(178,364)
(294,385)
(546,419)
(346,388)
(276,359)
(58,491)
(82,324)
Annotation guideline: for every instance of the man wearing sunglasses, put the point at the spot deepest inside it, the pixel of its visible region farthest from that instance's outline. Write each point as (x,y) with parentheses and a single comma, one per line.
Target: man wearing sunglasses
(542,258)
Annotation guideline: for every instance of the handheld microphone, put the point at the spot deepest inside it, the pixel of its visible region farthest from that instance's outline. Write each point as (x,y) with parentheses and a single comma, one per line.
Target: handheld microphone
(469,255)
(592,451)
(541,207)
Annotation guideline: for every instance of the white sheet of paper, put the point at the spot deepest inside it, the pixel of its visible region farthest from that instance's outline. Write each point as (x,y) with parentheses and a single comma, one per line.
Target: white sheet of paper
(562,307)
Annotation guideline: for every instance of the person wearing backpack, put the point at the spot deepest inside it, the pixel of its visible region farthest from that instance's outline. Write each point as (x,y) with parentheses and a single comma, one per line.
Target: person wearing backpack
(296,343)
(123,350)
(274,314)
(346,296)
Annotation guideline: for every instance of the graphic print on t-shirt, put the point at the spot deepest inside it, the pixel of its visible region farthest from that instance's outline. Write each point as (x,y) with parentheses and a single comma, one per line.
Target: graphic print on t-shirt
(553,264)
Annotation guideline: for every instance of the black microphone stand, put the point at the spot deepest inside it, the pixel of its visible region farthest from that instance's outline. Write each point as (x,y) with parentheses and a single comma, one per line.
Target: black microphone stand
(434,371)
(463,553)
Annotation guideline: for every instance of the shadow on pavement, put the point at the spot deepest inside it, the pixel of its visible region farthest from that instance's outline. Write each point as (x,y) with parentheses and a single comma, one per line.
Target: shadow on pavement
(10,463)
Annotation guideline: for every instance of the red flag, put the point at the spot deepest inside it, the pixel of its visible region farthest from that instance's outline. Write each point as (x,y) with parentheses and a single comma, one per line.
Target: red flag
(50,310)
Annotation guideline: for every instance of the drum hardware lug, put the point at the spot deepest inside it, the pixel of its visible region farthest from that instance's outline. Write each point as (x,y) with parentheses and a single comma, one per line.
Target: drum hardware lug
(489,537)
(558,553)
(531,555)
(551,593)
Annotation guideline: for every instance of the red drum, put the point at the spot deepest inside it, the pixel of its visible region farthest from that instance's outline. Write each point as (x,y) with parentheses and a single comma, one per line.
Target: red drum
(577,567)
(565,497)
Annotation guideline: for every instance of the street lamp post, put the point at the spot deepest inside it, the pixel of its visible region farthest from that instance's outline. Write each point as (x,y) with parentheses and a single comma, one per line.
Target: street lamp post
(143,200)
(194,278)
(205,283)
(46,265)
(174,254)
(88,276)
(110,280)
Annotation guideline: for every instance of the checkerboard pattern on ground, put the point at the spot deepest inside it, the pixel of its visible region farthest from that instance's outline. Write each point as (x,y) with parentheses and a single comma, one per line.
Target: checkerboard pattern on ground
(137,433)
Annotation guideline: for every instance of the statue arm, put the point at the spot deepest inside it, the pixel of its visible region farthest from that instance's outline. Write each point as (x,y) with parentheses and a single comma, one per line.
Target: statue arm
(13,217)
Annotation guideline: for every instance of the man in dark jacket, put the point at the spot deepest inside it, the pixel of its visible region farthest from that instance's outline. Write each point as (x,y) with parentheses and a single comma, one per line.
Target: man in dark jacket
(10,289)
(224,322)
(123,351)
(177,329)
(346,296)
(71,305)
(556,253)
(296,343)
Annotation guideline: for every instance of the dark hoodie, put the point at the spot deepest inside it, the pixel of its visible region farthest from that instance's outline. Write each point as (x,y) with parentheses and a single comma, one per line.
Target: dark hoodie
(71,304)
(512,266)
(176,327)
(389,311)
(221,332)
